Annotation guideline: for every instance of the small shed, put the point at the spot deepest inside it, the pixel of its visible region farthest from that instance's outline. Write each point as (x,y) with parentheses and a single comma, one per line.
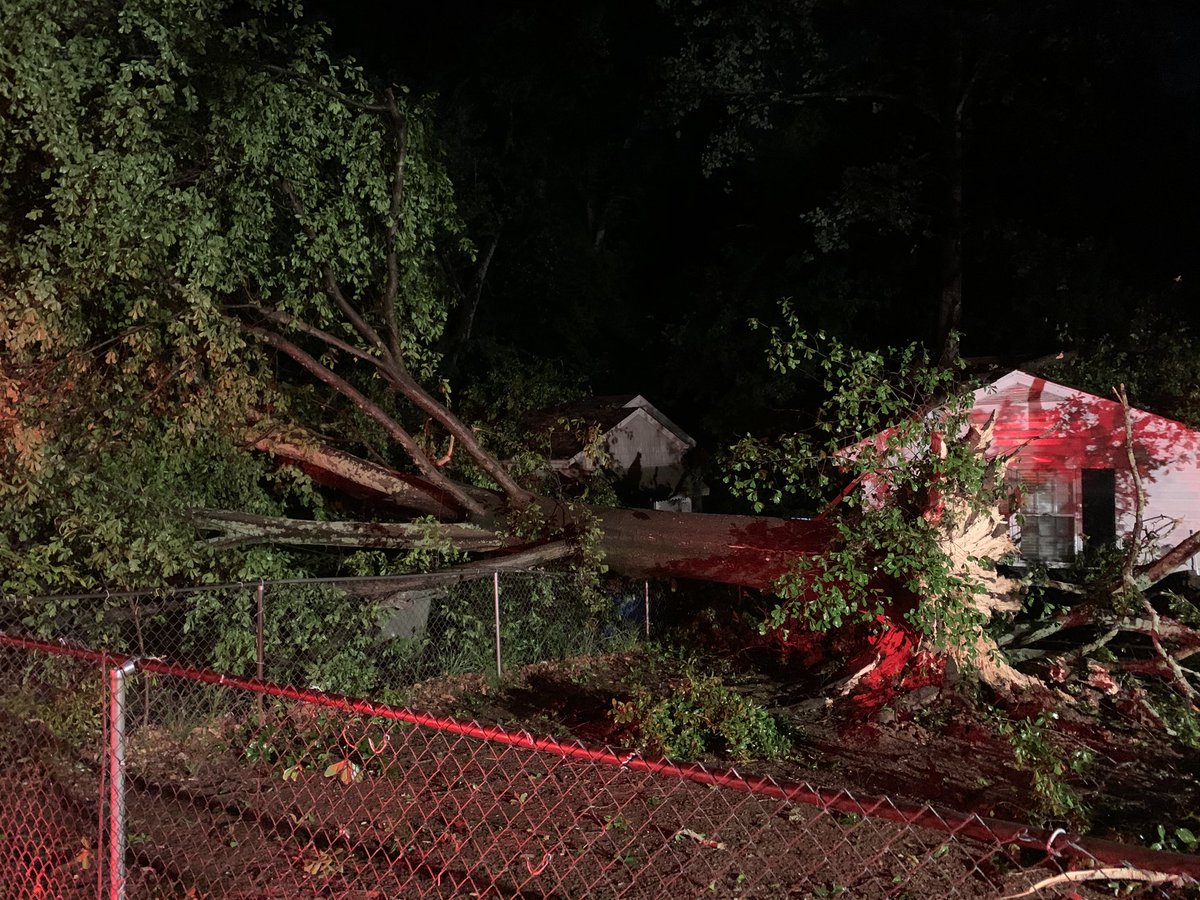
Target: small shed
(643,445)
(1071,467)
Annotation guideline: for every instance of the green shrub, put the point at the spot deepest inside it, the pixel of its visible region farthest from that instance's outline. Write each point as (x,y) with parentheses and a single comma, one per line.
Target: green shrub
(702,716)
(1036,751)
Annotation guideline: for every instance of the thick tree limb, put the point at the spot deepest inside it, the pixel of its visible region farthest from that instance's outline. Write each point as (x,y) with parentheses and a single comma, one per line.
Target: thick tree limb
(347,472)
(1156,571)
(518,561)
(237,528)
(399,377)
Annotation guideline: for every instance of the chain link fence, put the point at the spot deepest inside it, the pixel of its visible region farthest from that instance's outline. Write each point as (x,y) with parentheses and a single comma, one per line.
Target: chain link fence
(290,792)
(206,743)
(354,635)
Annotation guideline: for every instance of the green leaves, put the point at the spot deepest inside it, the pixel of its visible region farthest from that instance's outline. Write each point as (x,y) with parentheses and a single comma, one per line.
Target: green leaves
(884,446)
(700,716)
(163,162)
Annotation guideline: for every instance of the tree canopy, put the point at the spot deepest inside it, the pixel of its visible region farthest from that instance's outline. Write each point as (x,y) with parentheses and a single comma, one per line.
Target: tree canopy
(185,188)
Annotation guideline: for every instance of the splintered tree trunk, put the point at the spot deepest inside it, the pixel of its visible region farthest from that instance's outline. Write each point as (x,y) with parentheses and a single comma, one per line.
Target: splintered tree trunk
(748,551)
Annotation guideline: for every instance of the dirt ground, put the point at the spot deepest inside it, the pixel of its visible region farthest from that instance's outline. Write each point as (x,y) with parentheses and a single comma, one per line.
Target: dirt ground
(451,817)
(932,748)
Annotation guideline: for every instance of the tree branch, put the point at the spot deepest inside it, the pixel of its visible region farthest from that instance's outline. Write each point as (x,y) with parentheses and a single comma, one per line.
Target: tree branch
(323,89)
(400,378)
(331,466)
(289,321)
(236,528)
(1178,678)
(1167,563)
(372,411)
(1135,538)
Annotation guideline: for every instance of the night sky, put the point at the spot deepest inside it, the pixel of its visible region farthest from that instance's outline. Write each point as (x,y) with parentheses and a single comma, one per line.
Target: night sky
(620,257)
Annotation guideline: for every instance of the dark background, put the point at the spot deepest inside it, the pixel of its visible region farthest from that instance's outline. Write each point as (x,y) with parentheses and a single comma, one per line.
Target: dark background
(623,259)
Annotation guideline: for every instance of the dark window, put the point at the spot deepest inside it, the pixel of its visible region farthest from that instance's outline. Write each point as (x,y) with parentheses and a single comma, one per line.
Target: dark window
(1048,539)
(1099,488)
(1047,532)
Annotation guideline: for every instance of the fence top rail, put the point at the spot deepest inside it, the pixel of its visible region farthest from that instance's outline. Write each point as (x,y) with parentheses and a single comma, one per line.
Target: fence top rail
(1057,843)
(379,583)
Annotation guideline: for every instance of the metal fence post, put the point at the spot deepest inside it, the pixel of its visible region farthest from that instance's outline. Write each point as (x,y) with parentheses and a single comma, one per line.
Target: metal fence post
(258,629)
(116,778)
(259,660)
(647,609)
(496,600)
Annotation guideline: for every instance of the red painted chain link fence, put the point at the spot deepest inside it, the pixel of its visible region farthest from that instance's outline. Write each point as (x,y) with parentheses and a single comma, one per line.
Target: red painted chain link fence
(131,775)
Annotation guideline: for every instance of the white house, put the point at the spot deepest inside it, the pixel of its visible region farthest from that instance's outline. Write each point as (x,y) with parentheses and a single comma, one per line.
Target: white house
(1072,467)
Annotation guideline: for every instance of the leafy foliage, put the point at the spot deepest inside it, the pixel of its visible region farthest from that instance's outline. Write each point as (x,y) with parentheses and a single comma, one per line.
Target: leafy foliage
(1156,357)
(166,166)
(701,716)
(884,445)
(1036,751)
(166,162)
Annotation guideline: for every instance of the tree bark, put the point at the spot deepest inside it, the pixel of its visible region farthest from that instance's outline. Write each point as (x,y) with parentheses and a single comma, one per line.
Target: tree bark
(359,477)
(1154,572)
(468,306)
(748,551)
(373,412)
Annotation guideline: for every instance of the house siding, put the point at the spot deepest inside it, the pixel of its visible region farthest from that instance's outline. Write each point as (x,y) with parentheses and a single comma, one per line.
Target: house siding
(1055,432)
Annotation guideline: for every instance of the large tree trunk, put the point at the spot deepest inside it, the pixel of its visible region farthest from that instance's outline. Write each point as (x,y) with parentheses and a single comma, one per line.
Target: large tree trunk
(751,551)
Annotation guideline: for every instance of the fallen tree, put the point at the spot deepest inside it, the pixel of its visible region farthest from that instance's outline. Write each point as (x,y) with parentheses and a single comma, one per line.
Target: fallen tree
(749,551)
(276,223)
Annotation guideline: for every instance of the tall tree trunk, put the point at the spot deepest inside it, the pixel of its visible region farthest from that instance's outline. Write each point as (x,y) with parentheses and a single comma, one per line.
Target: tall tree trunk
(468,306)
